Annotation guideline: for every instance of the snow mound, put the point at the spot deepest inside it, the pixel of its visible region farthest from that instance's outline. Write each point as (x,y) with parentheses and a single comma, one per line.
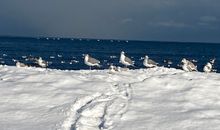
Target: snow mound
(157,98)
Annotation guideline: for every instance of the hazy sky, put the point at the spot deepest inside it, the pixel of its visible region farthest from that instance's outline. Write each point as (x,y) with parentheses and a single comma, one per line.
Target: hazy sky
(160,20)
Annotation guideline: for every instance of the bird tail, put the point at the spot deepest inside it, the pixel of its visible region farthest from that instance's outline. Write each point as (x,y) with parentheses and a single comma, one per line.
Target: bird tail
(196,69)
(134,66)
(99,66)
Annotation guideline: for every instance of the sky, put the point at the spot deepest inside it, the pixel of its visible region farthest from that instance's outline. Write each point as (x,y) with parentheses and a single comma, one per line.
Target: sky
(150,20)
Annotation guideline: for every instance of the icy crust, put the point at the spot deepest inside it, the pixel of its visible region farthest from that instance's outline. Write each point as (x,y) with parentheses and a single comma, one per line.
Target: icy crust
(144,99)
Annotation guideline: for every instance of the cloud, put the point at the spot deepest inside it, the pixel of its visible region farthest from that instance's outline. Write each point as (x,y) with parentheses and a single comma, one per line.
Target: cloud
(121,19)
(172,24)
(208,19)
(209,22)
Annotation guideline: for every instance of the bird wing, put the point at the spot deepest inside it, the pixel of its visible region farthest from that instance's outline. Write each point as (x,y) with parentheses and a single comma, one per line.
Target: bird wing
(152,62)
(129,60)
(192,66)
(209,67)
(93,60)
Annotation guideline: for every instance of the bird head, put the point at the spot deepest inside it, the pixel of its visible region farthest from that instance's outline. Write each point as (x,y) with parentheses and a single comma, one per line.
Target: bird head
(212,61)
(146,57)
(208,64)
(86,57)
(39,60)
(184,61)
(111,67)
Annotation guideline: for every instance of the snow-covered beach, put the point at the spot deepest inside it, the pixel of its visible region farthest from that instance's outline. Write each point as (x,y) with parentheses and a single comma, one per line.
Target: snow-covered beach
(143,99)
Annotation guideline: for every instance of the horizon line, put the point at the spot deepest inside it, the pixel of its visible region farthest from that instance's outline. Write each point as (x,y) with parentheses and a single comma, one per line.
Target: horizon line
(104,39)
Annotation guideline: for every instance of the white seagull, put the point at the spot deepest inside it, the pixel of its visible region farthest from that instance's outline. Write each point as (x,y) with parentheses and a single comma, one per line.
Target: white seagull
(125,60)
(149,63)
(90,61)
(208,67)
(112,68)
(188,65)
(41,62)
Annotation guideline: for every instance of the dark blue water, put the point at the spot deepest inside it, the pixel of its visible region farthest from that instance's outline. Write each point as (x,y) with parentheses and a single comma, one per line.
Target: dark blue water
(62,52)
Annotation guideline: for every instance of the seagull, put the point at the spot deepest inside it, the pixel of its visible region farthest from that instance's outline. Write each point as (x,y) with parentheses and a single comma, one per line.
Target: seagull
(208,67)
(149,63)
(125,60)
(90,61)
(41,62)
(188,65)
(112,68)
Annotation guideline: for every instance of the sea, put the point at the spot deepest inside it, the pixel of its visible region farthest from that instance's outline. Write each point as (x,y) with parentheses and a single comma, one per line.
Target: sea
(68,53)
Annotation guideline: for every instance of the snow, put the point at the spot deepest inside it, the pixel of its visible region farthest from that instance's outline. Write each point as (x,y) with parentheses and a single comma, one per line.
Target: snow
(144,99)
